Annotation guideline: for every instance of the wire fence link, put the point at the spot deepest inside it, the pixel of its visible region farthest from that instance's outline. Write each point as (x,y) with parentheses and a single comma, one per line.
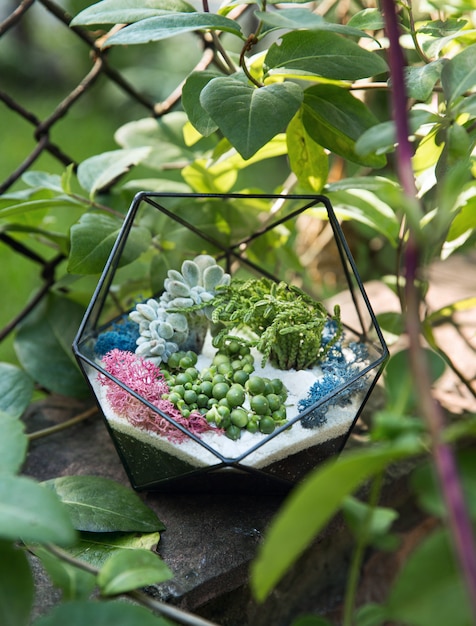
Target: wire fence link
(13,21)
(100,66)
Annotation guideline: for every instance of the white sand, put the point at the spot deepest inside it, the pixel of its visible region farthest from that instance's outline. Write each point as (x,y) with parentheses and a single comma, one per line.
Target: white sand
(286,442)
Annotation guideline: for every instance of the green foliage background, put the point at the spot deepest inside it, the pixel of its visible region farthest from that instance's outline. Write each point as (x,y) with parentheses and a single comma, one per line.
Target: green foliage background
(284,100)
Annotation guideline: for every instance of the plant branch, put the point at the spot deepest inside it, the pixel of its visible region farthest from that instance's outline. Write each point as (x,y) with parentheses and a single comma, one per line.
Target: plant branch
(17,246)
(359,552)
(217,43)
(250,42)
(66,557)
(456,371)
(15,16)
(459,522)
(96,205)
(161,108)
(219,48)
(44,432)
(178,615)
(416,43)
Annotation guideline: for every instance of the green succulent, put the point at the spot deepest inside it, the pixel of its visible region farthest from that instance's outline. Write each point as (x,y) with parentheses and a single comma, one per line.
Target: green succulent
(287,324)
(195,285)
(180,318)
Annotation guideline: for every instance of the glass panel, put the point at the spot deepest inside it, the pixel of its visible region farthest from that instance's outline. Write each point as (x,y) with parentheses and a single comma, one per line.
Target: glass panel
(157,447)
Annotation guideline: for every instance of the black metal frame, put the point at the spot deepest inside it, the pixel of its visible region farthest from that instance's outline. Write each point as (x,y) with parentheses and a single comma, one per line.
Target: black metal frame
(88,328)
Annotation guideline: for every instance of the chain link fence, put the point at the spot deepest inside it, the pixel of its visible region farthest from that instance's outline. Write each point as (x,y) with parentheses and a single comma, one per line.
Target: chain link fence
(100,66)
(18,20)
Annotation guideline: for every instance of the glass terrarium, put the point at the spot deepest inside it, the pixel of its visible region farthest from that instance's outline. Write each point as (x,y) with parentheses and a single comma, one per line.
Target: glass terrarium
(209,351)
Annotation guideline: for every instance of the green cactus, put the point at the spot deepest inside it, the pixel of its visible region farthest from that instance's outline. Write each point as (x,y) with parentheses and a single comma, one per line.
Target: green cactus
(287,324)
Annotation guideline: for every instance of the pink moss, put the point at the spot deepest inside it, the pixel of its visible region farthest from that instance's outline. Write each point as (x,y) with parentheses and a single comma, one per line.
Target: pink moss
(147,380)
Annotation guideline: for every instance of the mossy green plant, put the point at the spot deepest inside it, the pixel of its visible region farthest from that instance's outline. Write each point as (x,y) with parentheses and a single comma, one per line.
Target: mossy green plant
(284,323)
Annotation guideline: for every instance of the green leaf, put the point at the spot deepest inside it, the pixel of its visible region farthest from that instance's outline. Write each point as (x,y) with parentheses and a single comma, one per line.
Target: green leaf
(93,238)
(101,170)
(370,615)
(127,11)
(300,520)
(248,116)
(389,425)
(368,19)
(420,80)
(400,382)
(392,322)
(427,489)
(432,47)
(466,105)
(372,525)
(276,147)
(205,179)
(43,180)
(98,504)
(335,120)
(191,91)
(96,548)
(461,430)
(290,19)
(165,26)
(163,136)
(36,205)
(132,569)
(308,159)
(219,176)
(367,208)
(16,389)
(464,221)
(75,583)
(81,612)
(429,591)
(439,28)
(16,586)
(58,239)
(32,513)
(381,186)
(43,346)
(447,311)
(382,137)
(323,54)
(13,444)
(459,74)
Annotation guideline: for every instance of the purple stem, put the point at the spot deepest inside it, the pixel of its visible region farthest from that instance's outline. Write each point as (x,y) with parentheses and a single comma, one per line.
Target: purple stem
(458,518)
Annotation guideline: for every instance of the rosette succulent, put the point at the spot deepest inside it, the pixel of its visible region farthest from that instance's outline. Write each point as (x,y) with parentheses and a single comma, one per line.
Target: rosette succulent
(160,333)
(179,319)
(195,285)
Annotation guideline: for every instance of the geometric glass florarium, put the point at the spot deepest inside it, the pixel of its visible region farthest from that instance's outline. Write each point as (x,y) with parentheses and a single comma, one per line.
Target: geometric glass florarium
(165,236)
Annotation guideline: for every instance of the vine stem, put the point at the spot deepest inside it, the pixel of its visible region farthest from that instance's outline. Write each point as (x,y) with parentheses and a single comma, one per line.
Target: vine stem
(44,432)
(414,37)
(359,552)
(445,464)
(178,615)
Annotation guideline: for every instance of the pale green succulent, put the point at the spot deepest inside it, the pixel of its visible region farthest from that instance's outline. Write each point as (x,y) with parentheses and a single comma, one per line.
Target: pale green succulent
(165,326)
(196,284)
